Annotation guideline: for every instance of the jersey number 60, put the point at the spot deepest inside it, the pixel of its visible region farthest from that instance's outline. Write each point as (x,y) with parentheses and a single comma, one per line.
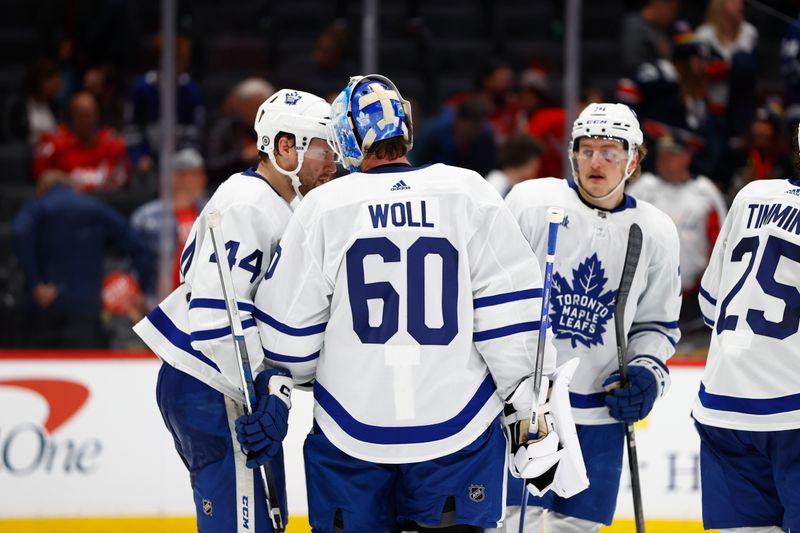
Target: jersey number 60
(360,291)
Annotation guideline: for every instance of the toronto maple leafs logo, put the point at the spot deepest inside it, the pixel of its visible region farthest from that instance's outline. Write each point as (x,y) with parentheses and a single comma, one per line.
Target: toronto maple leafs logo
(580,310)
(292,98)
(363,119)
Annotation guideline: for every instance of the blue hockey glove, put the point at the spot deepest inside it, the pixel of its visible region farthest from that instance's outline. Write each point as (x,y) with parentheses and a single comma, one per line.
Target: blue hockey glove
(260,434)
(633,402)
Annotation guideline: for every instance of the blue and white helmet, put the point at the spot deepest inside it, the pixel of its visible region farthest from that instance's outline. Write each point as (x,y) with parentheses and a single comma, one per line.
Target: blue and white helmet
(369,109)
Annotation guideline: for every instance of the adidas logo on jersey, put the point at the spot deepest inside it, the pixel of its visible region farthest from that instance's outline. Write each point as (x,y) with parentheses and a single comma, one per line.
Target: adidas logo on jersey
(795,192)
(400,186)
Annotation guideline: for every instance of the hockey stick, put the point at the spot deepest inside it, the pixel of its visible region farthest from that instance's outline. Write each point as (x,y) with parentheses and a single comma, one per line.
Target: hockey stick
(554,217)
(628,271)
(214,219)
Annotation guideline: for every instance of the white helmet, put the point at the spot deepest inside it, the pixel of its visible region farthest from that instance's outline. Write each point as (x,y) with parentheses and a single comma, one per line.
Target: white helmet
(607,121)
(302,114)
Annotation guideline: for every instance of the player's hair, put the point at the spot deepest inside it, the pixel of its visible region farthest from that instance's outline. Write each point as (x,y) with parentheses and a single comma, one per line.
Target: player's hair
(642,153)
(518,150)
(390,149)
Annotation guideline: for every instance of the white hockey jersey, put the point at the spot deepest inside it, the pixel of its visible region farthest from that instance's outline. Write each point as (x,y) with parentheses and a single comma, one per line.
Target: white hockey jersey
(190,328)
(412,298)
(698,210)
(586,273)
(750,298)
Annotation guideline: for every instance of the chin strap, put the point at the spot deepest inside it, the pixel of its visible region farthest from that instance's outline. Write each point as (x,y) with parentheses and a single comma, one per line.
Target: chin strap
(291,174)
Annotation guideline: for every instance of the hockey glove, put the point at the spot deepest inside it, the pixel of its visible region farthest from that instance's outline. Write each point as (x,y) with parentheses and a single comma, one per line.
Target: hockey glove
(260,434)
(634,401)
(535,459)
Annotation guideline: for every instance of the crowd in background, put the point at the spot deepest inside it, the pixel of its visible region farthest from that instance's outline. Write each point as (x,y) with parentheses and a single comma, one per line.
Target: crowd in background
(85,238)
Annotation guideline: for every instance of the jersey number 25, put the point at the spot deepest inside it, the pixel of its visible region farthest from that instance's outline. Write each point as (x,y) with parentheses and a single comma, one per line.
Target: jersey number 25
(775,249)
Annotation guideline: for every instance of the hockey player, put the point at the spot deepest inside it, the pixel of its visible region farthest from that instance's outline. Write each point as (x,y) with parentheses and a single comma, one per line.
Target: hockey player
(393,292)
(198,388)
(605,150)
(748,410)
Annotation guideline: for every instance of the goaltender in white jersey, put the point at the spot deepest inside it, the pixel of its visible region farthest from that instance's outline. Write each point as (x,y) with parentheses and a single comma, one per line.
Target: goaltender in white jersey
(412,299)
(433,385)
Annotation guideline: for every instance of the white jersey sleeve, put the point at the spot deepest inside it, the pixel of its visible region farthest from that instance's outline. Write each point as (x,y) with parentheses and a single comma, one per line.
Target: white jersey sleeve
(396,293)
(588,265)
(749,297)
(190,329)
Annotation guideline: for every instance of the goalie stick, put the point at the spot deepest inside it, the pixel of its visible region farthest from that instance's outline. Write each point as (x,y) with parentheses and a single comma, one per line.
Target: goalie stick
(214,220)
(628,271)
(554,217)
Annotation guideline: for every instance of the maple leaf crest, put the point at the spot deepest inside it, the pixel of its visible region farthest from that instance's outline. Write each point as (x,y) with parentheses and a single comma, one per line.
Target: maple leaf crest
(580,309)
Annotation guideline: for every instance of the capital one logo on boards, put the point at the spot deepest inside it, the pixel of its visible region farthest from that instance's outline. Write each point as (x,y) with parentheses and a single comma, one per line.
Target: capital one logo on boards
(29,447)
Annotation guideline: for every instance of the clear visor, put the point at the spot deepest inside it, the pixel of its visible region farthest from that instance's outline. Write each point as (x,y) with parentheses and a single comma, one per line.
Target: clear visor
(609,155)
(320,153)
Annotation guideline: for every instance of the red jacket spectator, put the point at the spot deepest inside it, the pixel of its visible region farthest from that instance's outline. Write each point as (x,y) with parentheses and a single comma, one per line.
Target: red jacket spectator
(93,157)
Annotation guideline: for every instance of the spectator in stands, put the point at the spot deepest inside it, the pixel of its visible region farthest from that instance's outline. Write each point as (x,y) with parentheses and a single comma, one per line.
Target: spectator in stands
(764,156)
(323,70)
(645,34)
(696,206)
(547,125)
(32,113)
(790,70)
(93,156)
(460,136)
(60,240)
(671,93)
(103,82)
(188,198)
(533,95)
(497,87)
(520,157)
(732,42)
(231,142)
(142,129)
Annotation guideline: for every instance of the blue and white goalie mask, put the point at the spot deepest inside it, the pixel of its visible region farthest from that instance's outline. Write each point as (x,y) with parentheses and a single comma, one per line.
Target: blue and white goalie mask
(369,109)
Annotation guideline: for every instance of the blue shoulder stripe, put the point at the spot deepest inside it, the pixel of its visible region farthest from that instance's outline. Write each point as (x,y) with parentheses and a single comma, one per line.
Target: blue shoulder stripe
(704,293)
(498,299)
(289,330)
(750,406)
(404,434)
(176,337)
(505,331)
